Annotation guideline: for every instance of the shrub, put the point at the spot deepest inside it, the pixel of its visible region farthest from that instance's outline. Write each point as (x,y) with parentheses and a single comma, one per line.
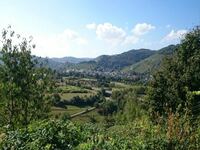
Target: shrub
(44,135)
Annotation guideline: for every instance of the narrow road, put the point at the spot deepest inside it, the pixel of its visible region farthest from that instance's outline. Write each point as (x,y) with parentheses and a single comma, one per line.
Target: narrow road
(83,112)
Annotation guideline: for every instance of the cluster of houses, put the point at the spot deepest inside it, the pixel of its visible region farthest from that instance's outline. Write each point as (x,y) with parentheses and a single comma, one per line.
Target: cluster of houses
(107,74)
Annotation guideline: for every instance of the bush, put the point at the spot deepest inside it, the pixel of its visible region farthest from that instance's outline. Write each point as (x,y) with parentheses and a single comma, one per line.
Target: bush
(107,107)
(44,135)
(173,134)
(65,116)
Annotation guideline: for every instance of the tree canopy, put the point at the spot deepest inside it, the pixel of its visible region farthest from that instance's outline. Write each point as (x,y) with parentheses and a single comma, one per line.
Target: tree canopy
(24,86)
(178,77)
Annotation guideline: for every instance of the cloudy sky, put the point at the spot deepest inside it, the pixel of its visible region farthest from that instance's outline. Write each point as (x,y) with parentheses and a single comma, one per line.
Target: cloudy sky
(88,28)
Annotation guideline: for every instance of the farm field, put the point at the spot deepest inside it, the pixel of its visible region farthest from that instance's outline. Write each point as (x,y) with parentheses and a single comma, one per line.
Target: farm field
(83,88)
(67,92)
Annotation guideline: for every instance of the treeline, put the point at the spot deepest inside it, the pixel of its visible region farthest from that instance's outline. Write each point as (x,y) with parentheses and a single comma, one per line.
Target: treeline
(78,101)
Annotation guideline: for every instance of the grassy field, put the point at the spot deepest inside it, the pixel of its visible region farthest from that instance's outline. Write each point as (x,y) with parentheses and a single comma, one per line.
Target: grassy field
(88,117)
(67,92)
(70,109)
(72,89)
(57,111)
(119,85)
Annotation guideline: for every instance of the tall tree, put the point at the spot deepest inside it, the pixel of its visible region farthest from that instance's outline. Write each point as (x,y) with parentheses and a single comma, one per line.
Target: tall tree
(24,85)
(178,77)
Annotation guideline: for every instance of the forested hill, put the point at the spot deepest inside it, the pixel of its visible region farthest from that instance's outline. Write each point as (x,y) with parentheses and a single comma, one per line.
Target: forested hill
(151,63)
(140,60)
(125,59)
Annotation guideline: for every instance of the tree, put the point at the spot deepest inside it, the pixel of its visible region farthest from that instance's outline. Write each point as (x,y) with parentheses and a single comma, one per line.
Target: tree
(107,107)
(24,85)
(56,98)
(177,77)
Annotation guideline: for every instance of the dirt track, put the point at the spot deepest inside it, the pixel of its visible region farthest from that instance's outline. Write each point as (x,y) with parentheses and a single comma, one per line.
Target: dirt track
(83,112)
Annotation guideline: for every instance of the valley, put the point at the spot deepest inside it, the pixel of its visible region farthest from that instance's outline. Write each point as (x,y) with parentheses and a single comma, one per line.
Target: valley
(76,95)
(99,75)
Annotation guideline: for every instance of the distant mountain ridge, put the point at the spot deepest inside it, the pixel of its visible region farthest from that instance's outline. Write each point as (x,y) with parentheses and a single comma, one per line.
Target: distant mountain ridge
(124,59)
(139,61)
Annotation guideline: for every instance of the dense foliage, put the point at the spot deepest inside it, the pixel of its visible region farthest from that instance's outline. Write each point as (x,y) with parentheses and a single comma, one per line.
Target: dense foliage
(23,86)
(78,101)
(141,134)
(44,135)
(179,76)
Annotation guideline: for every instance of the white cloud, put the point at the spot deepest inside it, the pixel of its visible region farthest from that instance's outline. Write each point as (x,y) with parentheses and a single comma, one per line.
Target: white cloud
(110,33)
(117,36)
(91,26)
(174,35)
(142,28)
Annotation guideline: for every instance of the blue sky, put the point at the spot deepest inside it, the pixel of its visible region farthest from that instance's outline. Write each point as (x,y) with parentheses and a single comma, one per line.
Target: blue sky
(88,28)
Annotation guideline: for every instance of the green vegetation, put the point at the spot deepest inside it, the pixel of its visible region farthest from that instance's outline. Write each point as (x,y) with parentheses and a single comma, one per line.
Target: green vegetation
(72,89)
(69,96)
(139,61)
(23,85)
(161,115)
(172,85)
(141,134)
(150,64)
(125,59)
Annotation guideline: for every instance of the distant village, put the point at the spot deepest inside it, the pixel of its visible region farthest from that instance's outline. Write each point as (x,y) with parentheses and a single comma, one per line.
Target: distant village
(117,75)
